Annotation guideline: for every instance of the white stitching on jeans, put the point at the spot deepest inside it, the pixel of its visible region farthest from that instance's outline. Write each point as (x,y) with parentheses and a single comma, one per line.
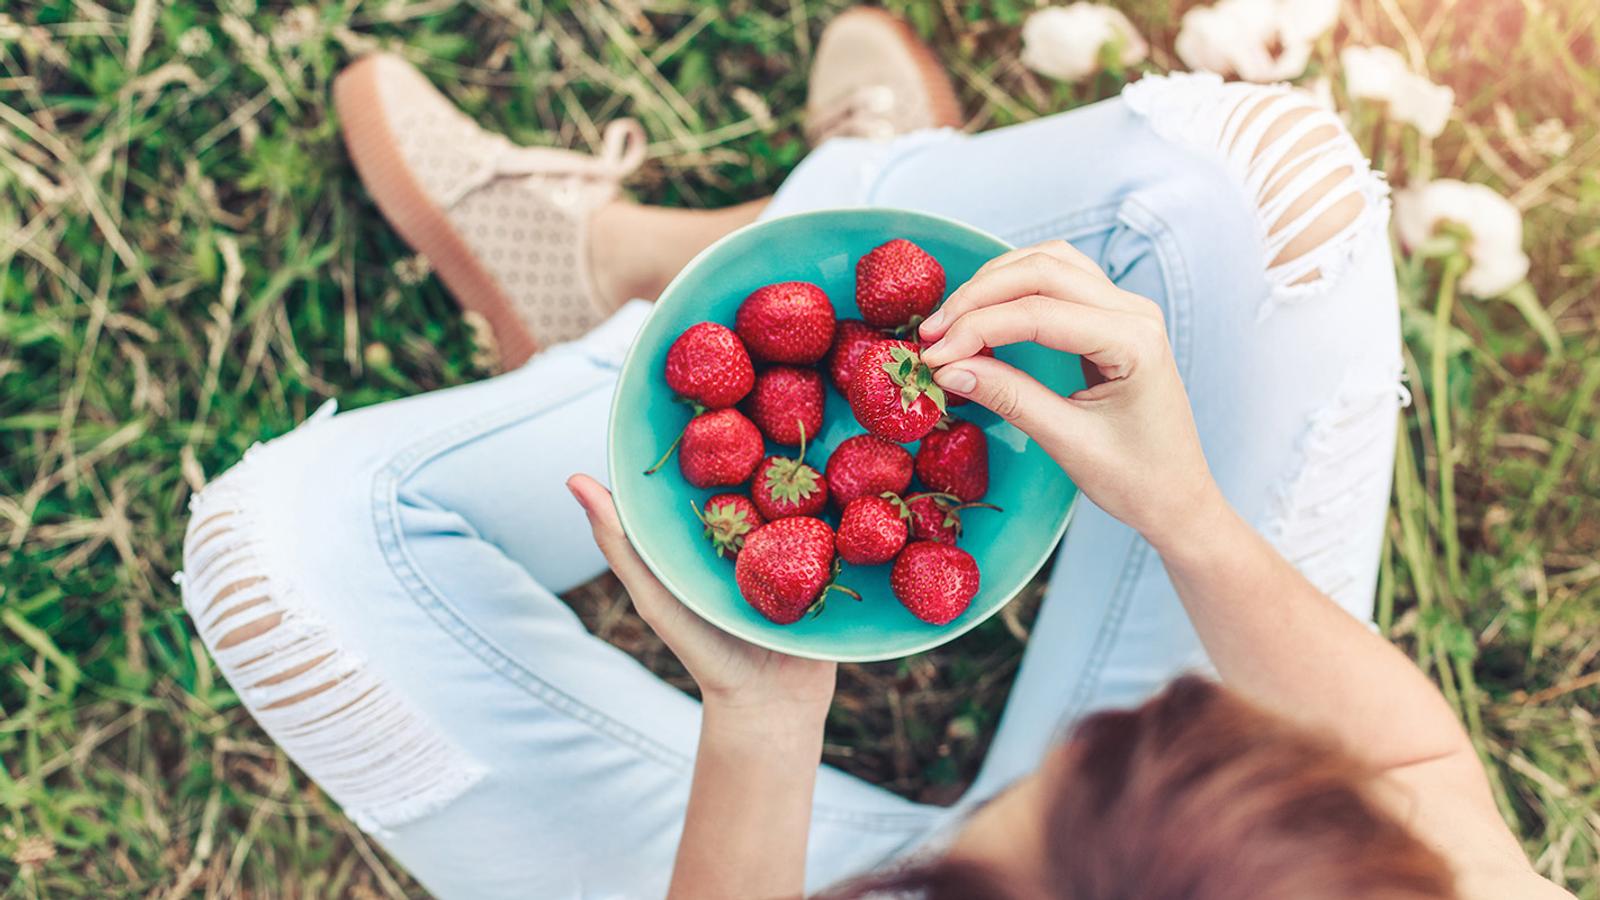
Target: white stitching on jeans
(364,743)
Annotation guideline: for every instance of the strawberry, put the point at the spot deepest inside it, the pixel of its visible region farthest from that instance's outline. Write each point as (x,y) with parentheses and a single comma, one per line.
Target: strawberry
(709,366)
(898,284)
(720,448)
(871,531)
(786,404)
(790,322)
(787,568)
(729,519)
(865,466)
(852,337)
(935,581)
(937,517)
(892,392)
(788,487)
(954,459)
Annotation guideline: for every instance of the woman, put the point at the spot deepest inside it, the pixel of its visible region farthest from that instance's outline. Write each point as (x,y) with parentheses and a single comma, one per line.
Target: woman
(380,586)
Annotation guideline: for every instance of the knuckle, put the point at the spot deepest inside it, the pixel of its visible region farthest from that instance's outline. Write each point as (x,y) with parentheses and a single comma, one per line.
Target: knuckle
(1005,402)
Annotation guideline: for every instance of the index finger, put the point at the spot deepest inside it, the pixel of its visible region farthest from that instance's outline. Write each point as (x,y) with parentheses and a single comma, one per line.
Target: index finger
(1035,273)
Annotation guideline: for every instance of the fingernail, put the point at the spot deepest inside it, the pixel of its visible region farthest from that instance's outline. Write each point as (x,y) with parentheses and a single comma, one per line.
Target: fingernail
(575,495)
(932,351)
(955,379)
(934,321)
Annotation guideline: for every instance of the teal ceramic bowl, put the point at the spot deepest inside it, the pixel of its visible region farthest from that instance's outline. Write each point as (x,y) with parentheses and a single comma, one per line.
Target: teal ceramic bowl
(822,247)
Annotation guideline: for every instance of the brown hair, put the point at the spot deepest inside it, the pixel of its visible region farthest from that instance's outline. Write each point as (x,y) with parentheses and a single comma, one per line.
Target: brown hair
(1196,795)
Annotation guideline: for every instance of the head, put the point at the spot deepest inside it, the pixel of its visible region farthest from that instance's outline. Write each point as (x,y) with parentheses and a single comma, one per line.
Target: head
(1196,795)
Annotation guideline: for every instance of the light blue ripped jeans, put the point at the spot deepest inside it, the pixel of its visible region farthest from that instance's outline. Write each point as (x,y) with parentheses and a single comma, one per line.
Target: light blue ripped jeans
(380,586)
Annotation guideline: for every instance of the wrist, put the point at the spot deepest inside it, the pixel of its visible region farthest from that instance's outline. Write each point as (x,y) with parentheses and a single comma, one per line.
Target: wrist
(740,718)
(1194,527)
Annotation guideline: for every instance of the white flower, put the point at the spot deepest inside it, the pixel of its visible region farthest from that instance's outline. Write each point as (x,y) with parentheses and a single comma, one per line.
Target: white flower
(1258,40)
(1065,42)
(194,42)
(1493,227)
(1551,138)
(1381,74)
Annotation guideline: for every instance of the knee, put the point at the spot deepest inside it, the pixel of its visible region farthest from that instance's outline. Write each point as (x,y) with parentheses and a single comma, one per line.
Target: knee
(267,618)
(1309,188)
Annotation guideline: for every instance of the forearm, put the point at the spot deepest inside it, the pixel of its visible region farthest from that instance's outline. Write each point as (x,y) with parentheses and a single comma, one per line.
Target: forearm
(749,806)
(1282,643)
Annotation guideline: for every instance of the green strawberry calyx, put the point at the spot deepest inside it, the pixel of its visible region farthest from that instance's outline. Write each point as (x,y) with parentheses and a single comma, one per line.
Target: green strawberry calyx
(726,526)
(815,609)
(791,480)
(909,373)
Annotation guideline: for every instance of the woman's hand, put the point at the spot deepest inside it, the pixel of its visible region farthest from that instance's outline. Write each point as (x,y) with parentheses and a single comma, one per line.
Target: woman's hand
(1128,440)
(732,674)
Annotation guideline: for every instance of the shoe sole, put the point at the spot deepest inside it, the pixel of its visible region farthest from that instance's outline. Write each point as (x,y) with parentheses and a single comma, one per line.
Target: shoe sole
(375,150)
(935,78)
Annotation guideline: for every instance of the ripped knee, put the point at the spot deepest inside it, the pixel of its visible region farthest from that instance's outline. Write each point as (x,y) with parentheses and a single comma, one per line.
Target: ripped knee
(370,748)
(1311,187)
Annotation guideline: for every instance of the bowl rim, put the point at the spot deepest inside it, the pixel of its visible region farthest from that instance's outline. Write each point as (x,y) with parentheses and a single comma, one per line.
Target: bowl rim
(943,635)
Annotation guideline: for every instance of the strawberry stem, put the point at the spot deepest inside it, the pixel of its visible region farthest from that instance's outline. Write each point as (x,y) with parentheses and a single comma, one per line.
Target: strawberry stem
(667,455)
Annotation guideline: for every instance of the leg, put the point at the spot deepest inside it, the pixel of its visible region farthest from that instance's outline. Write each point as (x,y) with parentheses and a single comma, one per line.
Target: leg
(1248,213)
(379,587)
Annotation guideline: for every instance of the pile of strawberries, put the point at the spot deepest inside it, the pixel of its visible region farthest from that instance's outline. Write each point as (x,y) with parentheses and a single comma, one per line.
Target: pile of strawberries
(787,557)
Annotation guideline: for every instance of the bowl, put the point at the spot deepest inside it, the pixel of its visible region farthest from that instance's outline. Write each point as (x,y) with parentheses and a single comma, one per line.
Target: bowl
(823,247)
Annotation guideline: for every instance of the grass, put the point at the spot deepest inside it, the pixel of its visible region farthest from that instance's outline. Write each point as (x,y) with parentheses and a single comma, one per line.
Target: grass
(188,265)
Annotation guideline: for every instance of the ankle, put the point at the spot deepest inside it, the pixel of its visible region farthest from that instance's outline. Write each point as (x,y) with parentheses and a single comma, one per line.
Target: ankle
(619,255)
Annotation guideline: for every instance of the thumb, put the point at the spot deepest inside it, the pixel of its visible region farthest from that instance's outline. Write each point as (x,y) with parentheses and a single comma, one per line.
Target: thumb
(1012,395)
(613,542)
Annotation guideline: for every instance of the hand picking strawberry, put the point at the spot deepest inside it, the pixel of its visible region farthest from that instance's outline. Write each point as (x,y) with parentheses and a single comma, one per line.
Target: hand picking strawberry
(892,392)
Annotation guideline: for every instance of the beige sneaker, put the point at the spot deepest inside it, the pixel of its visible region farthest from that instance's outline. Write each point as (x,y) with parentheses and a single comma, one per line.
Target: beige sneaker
(871,77)
(505,227)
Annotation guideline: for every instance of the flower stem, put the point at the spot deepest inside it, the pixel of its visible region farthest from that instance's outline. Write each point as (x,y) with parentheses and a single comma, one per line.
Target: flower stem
(1439,393)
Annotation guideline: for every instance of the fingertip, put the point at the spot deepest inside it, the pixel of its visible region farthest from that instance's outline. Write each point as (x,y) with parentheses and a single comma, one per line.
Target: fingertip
(956,378)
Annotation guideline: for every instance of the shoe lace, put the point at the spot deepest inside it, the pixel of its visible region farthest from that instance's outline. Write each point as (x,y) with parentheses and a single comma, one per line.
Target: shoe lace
(866,112)
(622,151)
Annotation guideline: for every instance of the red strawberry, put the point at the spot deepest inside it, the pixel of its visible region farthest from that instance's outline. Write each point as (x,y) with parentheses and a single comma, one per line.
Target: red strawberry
(934,581)
(954,459)
(720,448)
(897,284)
(871,531)
(852,337)
(791,322)
(708,365)
(788,487)
(729,519)
(786,568)
(865,466)
(786,403)
(937,517)
(892,392)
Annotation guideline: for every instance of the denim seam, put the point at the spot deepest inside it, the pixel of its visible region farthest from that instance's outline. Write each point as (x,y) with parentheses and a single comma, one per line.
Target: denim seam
(386,484)
(1145,222)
